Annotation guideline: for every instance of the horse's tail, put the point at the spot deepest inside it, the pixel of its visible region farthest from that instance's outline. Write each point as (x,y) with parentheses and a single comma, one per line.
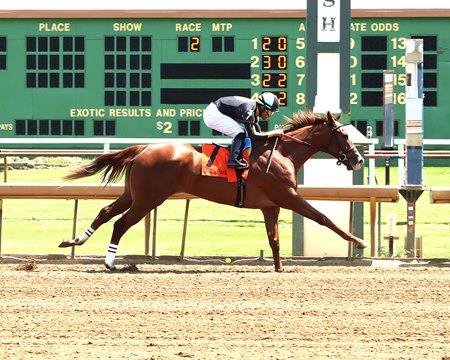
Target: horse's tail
(112,164)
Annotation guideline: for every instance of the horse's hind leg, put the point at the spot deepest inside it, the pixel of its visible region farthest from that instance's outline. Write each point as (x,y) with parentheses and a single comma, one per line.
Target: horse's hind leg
(119,206)
(271,219)
(130,218)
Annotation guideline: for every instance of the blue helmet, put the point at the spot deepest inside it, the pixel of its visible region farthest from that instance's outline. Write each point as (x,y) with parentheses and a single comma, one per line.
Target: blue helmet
(269,100)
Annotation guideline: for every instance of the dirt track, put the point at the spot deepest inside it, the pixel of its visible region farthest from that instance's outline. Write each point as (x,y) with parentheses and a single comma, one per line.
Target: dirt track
(225,312)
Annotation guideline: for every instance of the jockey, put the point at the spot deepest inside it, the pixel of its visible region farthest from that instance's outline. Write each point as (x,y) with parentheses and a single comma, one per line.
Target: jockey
(227,113)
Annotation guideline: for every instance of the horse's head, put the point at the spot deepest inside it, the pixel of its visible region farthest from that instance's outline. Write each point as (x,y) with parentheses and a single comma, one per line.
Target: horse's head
(324,133)
(340,145)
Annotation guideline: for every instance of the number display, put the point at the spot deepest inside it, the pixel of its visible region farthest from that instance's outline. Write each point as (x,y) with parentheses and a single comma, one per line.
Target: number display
(274,62)
(274,80)
(274,43)
(282,97)
(274,66)
(189,44)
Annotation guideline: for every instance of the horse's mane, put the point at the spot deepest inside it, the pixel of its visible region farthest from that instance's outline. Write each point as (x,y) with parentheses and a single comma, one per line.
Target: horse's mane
(301,119)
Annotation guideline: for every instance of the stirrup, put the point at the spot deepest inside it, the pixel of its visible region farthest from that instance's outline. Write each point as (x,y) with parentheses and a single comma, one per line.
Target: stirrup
(238,163)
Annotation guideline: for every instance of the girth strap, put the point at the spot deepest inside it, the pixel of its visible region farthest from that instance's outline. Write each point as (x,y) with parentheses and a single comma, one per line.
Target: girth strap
(213,155)
(241,188)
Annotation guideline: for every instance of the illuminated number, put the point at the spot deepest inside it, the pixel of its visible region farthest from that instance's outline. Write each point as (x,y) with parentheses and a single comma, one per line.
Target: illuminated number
(400,79)
(300,77)
(353,61)
(300,98)
(398,61)
(277,43)
(300,61)
(282,80)
(255,80)
(254,61)
(274,80)
(399,43)
(267,62)
(266,41)
(281,95)
(282,43)
(300,43)
(282,62)
(195,43)
(400,98)
(266,80)
(274,62)
(353,79)
(282,98)
(353,98)
(164,126)
(352,43)
(255,43)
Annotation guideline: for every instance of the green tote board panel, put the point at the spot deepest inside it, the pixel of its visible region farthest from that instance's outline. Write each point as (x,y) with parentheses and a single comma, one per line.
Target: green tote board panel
(152,77)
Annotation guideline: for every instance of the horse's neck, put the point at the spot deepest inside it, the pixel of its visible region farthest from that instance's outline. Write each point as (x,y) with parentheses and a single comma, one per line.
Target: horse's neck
(298,152)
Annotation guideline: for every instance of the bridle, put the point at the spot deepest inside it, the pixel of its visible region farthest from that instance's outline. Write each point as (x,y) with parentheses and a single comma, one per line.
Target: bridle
(341,156)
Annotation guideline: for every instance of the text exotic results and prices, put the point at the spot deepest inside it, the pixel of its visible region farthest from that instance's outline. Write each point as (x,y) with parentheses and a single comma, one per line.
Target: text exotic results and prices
(134,113)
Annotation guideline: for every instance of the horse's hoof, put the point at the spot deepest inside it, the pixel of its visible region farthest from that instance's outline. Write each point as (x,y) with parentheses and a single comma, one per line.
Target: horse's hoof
(74,242)
(362,245)
(111,268)
(280,270)
(66,243)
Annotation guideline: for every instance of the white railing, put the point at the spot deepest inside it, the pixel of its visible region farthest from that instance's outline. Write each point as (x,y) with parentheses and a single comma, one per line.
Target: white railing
(107,142)
(401,143)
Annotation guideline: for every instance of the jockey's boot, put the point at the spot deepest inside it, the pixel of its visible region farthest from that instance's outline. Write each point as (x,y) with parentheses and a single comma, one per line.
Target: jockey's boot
(236,160)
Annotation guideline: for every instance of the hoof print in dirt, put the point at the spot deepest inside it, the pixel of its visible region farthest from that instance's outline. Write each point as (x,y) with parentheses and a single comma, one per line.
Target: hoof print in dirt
(28,265)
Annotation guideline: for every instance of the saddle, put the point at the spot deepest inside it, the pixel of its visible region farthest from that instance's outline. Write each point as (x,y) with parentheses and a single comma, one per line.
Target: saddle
(214,163)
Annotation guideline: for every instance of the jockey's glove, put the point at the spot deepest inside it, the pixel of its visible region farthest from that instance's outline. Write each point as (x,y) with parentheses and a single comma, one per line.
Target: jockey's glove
(275,133)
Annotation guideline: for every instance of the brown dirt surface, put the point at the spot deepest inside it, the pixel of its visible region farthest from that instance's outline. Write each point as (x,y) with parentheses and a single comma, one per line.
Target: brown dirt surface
(155,311)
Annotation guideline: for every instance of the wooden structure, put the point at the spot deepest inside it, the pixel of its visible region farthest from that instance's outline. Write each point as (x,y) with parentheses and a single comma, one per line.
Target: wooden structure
(440,195)
(362,193)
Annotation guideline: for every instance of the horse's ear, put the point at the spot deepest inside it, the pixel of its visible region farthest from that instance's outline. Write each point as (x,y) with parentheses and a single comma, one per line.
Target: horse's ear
(329,117)
(339,116)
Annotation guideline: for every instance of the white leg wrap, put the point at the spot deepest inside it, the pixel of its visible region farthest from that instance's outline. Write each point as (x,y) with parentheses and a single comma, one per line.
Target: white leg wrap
(87,234)
(111,255)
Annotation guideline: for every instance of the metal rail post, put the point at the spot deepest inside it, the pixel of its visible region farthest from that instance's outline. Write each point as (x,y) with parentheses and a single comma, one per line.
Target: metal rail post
(413,186)
(74,227)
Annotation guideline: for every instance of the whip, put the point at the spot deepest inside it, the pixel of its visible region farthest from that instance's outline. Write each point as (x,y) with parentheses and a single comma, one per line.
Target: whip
(271,154)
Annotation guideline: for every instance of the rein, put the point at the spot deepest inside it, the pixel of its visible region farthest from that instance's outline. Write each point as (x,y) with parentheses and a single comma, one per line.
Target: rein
(341,156)
(300,141)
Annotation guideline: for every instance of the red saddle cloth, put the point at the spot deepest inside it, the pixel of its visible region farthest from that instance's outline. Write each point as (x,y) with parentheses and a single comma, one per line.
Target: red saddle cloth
(217,165)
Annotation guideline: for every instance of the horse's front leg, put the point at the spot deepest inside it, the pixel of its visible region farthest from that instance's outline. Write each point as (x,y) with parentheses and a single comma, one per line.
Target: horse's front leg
(302,207)
(271,220)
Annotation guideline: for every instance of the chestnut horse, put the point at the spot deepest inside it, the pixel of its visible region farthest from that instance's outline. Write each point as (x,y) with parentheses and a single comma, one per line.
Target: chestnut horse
(155,172)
